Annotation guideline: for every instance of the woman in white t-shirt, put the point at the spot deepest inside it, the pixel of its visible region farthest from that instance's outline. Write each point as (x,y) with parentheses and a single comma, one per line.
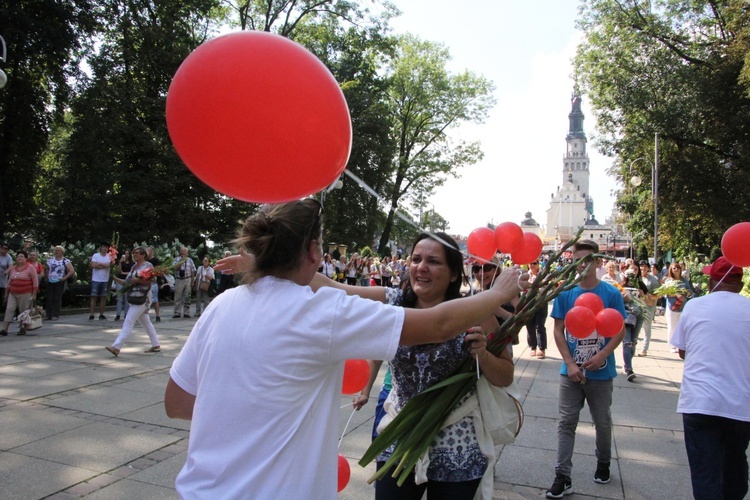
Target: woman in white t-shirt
(260,375)
(59,270)
(328,268)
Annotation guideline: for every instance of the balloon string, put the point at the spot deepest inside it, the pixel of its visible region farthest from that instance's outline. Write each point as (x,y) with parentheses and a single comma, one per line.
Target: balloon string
(345,427)
(405,218)
(722,278)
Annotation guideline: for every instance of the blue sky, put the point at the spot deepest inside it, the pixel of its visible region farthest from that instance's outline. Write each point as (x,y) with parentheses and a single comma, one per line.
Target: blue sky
(525,48)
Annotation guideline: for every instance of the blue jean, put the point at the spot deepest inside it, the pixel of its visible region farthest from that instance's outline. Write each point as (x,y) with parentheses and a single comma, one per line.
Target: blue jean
(536,331)
(629,342)
(122,304)
(648,321)
(716,452)
(598,395)
(379,411)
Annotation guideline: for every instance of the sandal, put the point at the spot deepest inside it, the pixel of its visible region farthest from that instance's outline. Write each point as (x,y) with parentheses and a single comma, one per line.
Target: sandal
(155,348)
(114,350)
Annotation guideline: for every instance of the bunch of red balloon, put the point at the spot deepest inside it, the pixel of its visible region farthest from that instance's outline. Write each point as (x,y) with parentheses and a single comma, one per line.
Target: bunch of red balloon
(507,237)
(356,376)
(588,315)
(735,244)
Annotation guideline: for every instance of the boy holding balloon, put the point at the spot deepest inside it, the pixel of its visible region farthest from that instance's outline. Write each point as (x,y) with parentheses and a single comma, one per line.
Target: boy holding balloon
(588,367)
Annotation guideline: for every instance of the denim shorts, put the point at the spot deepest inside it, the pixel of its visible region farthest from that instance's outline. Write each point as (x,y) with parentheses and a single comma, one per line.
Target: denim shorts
(98,288)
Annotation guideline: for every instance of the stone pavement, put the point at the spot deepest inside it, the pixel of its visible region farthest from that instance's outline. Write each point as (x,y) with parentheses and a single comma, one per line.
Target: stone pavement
(77,422)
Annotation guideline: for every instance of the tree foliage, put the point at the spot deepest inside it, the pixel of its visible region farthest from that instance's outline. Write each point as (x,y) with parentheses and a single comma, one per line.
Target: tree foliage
(424,101)
(45,39)
(677,68)
(83,137)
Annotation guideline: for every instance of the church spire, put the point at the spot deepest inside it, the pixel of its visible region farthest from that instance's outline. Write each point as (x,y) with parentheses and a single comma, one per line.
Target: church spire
(576,117)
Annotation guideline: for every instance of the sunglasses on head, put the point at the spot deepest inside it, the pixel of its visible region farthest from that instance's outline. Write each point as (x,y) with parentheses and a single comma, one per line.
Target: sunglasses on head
(487,268)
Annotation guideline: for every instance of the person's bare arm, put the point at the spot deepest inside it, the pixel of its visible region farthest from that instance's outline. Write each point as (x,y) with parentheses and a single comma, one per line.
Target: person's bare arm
(178,403)
(596,361)
(363,397)
(574,372)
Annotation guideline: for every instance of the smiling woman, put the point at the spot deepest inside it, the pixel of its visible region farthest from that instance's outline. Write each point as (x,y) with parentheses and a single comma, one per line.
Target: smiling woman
(435,276)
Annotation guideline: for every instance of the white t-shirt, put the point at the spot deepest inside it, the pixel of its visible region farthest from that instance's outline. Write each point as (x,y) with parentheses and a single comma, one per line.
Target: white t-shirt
(714,332)
(100,274)
(266,365)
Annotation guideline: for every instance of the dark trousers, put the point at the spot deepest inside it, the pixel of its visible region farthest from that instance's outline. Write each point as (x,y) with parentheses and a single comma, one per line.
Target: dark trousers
(54,298)
(536,332)
(716,452)
(387,489)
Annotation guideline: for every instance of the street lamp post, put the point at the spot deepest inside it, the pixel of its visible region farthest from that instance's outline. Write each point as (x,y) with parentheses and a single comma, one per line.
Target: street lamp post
(636,181)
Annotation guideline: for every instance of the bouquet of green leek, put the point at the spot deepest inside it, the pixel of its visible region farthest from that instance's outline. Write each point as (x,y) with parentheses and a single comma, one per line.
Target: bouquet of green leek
(416,426)
(673,288)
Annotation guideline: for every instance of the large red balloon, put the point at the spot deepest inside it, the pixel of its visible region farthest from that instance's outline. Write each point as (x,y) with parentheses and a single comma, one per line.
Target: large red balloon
(345,472)
(580,322)
(590,300)
(735,244)
(356,376)
(529,250)
(609,322)
(481,243)
(259,118)
(508,237)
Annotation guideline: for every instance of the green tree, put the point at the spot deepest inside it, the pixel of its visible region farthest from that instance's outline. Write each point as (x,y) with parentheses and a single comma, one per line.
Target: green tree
(673,67)
(118,169)
(424,101)
(45,39)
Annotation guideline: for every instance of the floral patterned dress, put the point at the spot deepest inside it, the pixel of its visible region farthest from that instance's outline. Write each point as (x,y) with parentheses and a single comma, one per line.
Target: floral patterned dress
(454,454)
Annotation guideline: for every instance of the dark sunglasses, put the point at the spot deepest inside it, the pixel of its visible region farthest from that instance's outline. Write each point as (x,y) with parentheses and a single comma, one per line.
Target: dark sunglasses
(487,268)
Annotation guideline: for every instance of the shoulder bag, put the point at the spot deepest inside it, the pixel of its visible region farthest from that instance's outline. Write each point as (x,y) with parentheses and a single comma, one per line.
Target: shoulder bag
(31,318)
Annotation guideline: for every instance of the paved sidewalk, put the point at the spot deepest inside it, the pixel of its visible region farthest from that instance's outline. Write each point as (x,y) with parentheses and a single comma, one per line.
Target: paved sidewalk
(77,422)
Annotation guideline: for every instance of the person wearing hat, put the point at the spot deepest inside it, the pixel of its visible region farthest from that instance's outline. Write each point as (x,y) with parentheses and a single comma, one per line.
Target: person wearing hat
(713,337)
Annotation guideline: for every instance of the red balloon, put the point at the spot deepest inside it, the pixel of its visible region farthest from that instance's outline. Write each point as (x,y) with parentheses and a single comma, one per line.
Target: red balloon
(356,376)
(508,237)
(590,300)
(529,250)
(481,243)
(259,118)
(609,322)
(345,472)
(735,244)
(580,322)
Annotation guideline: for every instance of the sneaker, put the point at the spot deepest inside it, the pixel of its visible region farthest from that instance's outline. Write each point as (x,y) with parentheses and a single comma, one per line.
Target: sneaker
(533,353)
(540,354)
(158,319)
(117,318)
(91,318)
(3,333)
(631,375)
(642,354)
(176,316)
(561,486)
(102,317)
(601,475)
(674,350)
(186,316)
